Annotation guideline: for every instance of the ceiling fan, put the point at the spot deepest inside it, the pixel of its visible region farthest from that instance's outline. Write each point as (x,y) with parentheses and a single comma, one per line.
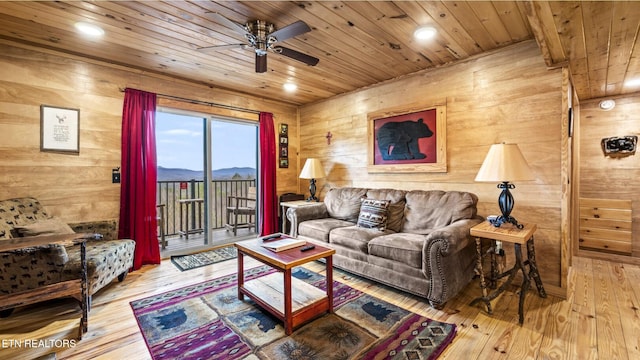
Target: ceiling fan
(262,37)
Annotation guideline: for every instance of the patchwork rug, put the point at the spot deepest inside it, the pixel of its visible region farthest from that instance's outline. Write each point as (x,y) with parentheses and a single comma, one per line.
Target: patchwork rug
(193,261)
(207,321)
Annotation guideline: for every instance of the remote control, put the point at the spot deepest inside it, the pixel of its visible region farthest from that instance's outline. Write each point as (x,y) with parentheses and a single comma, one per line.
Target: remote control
(271,237)
(307,247)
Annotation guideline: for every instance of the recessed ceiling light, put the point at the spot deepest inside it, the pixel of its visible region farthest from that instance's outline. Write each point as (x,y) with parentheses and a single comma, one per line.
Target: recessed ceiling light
(89,29)
(424,33)
(290,87)
(632,82)
(607,105)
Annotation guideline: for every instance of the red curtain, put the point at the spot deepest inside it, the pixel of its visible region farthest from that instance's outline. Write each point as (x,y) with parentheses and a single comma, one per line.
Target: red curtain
(268,195)
(139,175)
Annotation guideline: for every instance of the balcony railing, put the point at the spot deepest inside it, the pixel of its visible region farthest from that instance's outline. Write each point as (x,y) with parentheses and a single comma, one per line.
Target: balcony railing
(170,193)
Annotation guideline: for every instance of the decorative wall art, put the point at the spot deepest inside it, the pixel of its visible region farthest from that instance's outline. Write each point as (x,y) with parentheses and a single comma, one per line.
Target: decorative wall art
(284,146)
(617,147)
(408,141)
(284,129)
(59,129)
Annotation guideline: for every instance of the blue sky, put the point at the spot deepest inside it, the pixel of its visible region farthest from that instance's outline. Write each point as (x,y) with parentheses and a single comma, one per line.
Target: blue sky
(180,143)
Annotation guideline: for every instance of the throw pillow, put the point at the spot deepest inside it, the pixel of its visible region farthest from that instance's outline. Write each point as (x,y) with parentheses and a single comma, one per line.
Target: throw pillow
(51,226)
(373,214)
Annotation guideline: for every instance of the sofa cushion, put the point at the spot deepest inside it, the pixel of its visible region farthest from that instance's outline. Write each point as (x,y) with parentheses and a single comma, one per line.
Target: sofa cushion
(28,210)
(106,259)
(395,214)
(6,231)
(428,210)
(355,238)
(344,203)
(19,211)
(373,214)
(107,228)
(404,248)
(319,228)
(52,226)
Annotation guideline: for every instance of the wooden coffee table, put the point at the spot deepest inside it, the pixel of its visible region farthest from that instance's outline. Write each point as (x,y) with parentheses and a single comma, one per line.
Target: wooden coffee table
(293,301)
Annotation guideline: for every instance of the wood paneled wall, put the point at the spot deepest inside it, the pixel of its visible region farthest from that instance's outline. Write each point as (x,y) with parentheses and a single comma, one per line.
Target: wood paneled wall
(603,177)
(78,187)
(506,96)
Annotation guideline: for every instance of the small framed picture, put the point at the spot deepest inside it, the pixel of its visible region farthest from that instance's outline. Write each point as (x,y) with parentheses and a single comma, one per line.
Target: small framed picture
(284,129)
(59,129)
(284,140)
(284,163)
(284,151)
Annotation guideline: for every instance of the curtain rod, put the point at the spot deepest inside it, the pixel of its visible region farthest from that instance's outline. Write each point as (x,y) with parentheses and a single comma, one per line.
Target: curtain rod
(200,102)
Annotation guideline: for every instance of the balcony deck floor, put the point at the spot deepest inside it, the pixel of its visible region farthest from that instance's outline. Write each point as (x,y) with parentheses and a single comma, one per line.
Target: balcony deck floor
(177,245)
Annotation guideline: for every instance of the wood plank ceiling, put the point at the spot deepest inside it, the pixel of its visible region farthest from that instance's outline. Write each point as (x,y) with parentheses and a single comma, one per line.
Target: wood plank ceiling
(359,43)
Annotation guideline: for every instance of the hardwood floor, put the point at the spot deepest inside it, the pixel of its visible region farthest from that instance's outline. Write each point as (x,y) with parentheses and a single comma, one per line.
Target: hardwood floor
(598,320)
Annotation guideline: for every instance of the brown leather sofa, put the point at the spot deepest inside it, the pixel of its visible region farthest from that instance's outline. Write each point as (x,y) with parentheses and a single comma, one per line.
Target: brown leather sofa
(424,247)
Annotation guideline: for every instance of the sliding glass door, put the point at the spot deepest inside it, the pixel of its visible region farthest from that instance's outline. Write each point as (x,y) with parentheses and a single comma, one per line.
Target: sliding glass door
(207,171)
(233,170)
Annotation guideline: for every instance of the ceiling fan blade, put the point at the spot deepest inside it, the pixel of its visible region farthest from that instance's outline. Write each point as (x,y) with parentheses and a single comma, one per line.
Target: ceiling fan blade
(296,55)
(223,47)
(261,63)
(234,25)
(289,31)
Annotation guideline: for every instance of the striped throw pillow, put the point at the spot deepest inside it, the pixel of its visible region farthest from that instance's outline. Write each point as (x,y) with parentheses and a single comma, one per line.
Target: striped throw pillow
(373,214)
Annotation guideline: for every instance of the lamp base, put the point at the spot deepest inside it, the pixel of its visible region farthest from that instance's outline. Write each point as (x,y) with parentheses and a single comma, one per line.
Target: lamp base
(506,202)
(502,220)
(312,190)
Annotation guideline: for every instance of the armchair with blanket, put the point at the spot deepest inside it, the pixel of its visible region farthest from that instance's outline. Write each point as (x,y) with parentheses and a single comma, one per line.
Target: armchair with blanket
(107,258)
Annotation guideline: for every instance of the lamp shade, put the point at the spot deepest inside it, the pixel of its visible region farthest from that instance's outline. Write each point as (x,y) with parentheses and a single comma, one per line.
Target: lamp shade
(504,162)
(312,169)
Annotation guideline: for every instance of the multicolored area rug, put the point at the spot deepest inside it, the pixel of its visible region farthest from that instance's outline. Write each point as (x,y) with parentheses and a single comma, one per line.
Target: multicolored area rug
(207,321)
(193,261)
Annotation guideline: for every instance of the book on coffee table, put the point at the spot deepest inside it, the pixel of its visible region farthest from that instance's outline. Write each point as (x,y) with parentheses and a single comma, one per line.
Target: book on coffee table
(283,244)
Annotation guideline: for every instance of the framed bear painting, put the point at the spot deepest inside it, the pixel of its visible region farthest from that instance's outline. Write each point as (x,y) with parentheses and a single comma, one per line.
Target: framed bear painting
(411,140)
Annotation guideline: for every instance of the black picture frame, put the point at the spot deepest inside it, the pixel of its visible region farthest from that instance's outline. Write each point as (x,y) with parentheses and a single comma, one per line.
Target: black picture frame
(284,129)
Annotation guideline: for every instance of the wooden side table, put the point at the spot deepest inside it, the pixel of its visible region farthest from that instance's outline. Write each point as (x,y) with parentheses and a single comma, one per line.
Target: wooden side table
(518,237)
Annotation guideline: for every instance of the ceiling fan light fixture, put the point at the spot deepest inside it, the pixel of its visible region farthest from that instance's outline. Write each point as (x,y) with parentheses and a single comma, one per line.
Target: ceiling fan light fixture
(263,37)
(290,87)
(89,29)
(425,32)
(607,104)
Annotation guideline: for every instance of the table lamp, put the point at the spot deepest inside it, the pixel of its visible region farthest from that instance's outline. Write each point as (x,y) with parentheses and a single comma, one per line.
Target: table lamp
(505,163)
(312,170)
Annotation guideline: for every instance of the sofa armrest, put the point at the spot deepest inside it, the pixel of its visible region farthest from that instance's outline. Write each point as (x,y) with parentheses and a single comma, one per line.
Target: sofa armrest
(107,228)
(31,267)
(448,258)
(455,236)
(304,213)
